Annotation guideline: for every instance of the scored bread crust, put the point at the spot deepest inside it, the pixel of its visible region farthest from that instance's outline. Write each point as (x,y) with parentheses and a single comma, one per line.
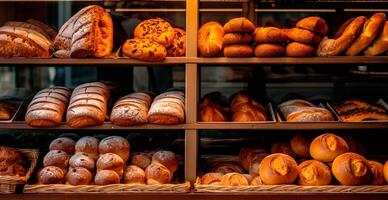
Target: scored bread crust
(380,45)
(210,37)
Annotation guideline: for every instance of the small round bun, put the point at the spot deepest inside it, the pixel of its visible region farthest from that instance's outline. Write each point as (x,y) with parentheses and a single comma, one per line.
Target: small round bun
(277,169)
(296,49)
(82,160)
(234,179)
(351,169)
(239,25)
(51,175)
(269,50)
(166,158)
(377,170)
(301,146)
(88,145)
(327,147)
(314,173)
(106,177)
(134,174)
(313,23)
(211,178)
(79,176)
(56,158)
(238,51)
(157,173)
(111,161)
(115,144)
(64,144)
(141,160)
(270,35)
(303,36)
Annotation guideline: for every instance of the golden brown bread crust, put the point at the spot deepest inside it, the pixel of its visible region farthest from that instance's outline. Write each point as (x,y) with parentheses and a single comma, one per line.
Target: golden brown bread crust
(167,108)
(227,167)
(63,143)
(51,175)
(303,36)
(234,179)
(141,159)
(49,30)
(83,160)
(88,145)
(237,38)
(106,177)
(210,37)
(79,176)
(144,49)
(327,147)
(385,170)
(131,109)
(31,26)
(269,50)
(166,158)
(256,181)
(270,35)
(334,47)
(178,46)
(209,111)
(12,162)
(380,45)
(371,28)
(342,28)
(56,158)
(283,147)
(351,169)
(310,114)
(117,145)
(211,178)
(157,173)
(238,51)
(300,145)
(314,173)
(377,170)
(7,110)
(313,23)
(134,175)
(158,30)
(246,109)
(239,25)
(277,169)
(111,161)
(296,49)
(357,110)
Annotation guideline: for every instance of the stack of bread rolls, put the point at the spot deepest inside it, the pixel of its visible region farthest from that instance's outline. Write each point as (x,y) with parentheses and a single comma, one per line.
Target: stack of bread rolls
(305,36)
(270,41)
(237,41)
(303,111)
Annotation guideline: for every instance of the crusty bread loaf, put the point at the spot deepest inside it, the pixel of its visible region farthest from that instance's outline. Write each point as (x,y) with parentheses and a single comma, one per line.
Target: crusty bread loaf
(79,176)
(239,25)
(157,173)
(313,23)
(168,108)
(351,169)
(270,35)
(372,28)
(314,173)
(301,145)
(250,111)
(357,110)
(303,36)
(111,161)
(342,28)
(380,45)
(87,33)
(27,25)
(134,175)
(131,109)
(269,50)
(237,38)
(278,169)
(210,37)
(327,147)
(83,160)
(178,46)
(88,105)
(88,145)
(210,111)
(234,179)
(238,51)
(51,175)
(158,30)
(141,159)
(50,31)
(144,49)
(48,107)
(296,49)
(211,178)
(304,111)
(7,109)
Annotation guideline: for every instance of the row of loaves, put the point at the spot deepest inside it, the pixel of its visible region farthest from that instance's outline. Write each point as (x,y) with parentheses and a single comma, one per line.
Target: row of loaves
(90,161)
(88,104)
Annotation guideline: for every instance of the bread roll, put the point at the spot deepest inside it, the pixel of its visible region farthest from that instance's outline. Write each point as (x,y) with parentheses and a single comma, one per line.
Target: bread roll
(380,45)
(83,160)
(210,111)
(111,161)
(303,36)
(246,109)
(269,50)
(211,178)
(48,107)
(313,23)
(106,177)
(178,46)
(141,160)
(334,47)
(277,169)
(377,170)
(314,173)
(256,181)
(238,51)
(64,144)
(157,173)
(327,147)
(210,37)
(117,145)
(12,162)
(168,108)
(158,30)
(270,35)
(247,154)
(239,25)
(300,145)
(88,145)
(51,175)
(227,167)
(385,170)
(371,28)
(296,49)
(234,179)
(134,174)
(56,158)
(237,38)
(7,110)
(79,176)
(310,114)
(166,158)
(144,49)
(87,33)
(351,169)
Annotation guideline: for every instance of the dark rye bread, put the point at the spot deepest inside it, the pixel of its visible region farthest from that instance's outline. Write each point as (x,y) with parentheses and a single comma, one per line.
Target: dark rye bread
(48,107)
(88,105)
(357,110)
(168,108)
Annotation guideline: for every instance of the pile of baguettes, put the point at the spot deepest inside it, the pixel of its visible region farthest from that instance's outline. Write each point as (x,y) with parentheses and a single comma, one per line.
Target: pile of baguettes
(240,38)
(324,160)
(87,105)
(89,33)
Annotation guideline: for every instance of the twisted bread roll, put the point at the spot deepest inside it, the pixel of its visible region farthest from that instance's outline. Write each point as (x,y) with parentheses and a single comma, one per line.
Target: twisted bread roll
(270,35)
(313,23)
(314,173)
(234,179)
(351,169)
(168,108)
(277,169)
(211,178)
(377,170)
(327,147)
(210,37)
(380,45)
(239,25)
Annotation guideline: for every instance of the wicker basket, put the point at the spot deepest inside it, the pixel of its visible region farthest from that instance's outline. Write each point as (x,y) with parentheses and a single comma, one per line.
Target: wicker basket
(8,184)
(114,188)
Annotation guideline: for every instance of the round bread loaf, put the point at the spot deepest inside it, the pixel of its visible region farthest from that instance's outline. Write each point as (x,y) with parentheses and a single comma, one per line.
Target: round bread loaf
(277,169)
(313,23)
(63,143)
(79,176)
(327,147)
(158,30)
(144,49)
(157,173)
(178,46)
(301,146)
(141,160)
(134,174)
(166,158)
(239,25)
(303,36)
(234,179)
(256,181)
(210,37)
(283,147)
(88,145)
(106,177)
(56,158)
(237,38)
(238,51)
(117,145)
(351,169)
(377,170)
(51,175)
(82,160)
(269,50)
(212,178)
(314,173)
(380,45)
(296,49)
(270,35)
(111,161)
